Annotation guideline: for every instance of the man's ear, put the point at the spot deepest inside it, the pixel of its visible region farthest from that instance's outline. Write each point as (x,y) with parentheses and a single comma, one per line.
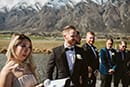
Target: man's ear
(64,36)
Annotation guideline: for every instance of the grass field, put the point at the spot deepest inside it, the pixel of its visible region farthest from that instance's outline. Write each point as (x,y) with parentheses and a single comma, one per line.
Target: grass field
(43,45)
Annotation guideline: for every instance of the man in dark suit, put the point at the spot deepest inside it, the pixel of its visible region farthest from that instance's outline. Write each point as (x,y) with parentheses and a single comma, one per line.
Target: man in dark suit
(92,58)
(78,38)
(107,63)
(122,60)
(68,59)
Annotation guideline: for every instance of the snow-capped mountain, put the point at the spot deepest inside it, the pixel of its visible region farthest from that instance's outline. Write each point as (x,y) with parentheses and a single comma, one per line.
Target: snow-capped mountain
(52,3)
(58,3)
(48,15)
(9,4)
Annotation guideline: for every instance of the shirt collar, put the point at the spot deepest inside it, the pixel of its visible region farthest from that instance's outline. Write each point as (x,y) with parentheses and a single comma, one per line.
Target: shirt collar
(65,46)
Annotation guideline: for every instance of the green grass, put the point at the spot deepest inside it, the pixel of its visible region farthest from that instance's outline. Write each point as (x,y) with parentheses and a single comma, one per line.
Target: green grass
(49,43)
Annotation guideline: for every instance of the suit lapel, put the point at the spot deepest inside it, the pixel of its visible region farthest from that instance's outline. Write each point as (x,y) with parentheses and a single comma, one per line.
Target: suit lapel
(65,62)
(91,51)
(109,60)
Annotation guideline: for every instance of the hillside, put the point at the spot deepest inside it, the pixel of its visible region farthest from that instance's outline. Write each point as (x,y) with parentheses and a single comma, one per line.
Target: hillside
(110,16)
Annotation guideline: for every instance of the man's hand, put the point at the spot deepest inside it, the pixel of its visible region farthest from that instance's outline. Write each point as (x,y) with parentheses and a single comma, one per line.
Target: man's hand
(90,69)
(111,71)
(96,72)
(40,85)
(47,82)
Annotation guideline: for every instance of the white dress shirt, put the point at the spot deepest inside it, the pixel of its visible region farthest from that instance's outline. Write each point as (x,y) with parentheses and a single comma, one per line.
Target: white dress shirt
(93,51)
(70,54)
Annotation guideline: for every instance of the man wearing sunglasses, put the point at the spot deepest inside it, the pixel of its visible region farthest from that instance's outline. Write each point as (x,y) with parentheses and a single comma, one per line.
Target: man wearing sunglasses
(123,64)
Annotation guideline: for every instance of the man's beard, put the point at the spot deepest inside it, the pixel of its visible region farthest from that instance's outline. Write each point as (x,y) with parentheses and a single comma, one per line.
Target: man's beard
(71,41)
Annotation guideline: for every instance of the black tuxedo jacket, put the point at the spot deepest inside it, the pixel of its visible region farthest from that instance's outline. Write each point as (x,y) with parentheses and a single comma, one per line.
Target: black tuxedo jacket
(122,64)
(58,60)
(92,60)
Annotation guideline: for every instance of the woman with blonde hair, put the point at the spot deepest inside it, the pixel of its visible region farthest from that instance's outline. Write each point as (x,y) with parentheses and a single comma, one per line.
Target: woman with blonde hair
(19,70)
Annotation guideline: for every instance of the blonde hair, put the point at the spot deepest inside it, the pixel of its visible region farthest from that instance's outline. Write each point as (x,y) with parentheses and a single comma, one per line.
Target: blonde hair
(16,39)
(66,29)
(90,32)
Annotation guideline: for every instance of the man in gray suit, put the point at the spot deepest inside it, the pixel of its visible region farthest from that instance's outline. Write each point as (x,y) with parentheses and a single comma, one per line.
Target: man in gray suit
(68,59)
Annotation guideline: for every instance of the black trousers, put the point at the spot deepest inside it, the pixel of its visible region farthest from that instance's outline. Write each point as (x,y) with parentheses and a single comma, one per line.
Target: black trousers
(92,81)
(106,80)
(123,77)
(67,83)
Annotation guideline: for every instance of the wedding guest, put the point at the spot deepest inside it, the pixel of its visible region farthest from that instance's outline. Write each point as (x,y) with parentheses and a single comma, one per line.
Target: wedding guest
(107,63)
(78,38)
(122,60)
(92,58)
(19,70)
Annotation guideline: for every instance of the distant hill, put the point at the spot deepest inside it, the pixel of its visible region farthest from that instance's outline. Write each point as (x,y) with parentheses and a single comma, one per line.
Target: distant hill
(110,16)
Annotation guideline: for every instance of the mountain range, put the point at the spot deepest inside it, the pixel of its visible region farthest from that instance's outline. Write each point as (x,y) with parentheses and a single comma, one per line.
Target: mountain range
(51,16)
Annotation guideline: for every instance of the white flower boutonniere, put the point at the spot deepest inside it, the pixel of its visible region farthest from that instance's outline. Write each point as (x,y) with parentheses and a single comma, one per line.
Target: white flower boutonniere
(96,49)
(78,56)
(112,54)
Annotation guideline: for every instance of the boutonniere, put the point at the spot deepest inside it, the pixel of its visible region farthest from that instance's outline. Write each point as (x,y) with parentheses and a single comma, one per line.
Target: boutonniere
(96,49)
(126,51)
(78,56)
(112,53)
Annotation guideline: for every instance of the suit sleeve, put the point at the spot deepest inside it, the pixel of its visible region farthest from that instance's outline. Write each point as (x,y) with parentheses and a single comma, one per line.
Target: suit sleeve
(50,66)
(102,59)
(84,72)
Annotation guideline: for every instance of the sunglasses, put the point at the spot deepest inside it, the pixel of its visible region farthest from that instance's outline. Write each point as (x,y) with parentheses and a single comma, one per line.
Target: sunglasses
(124,46)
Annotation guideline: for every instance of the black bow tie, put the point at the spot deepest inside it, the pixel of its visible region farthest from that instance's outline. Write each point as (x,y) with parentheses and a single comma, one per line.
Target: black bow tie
(109,49)
(67,49)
